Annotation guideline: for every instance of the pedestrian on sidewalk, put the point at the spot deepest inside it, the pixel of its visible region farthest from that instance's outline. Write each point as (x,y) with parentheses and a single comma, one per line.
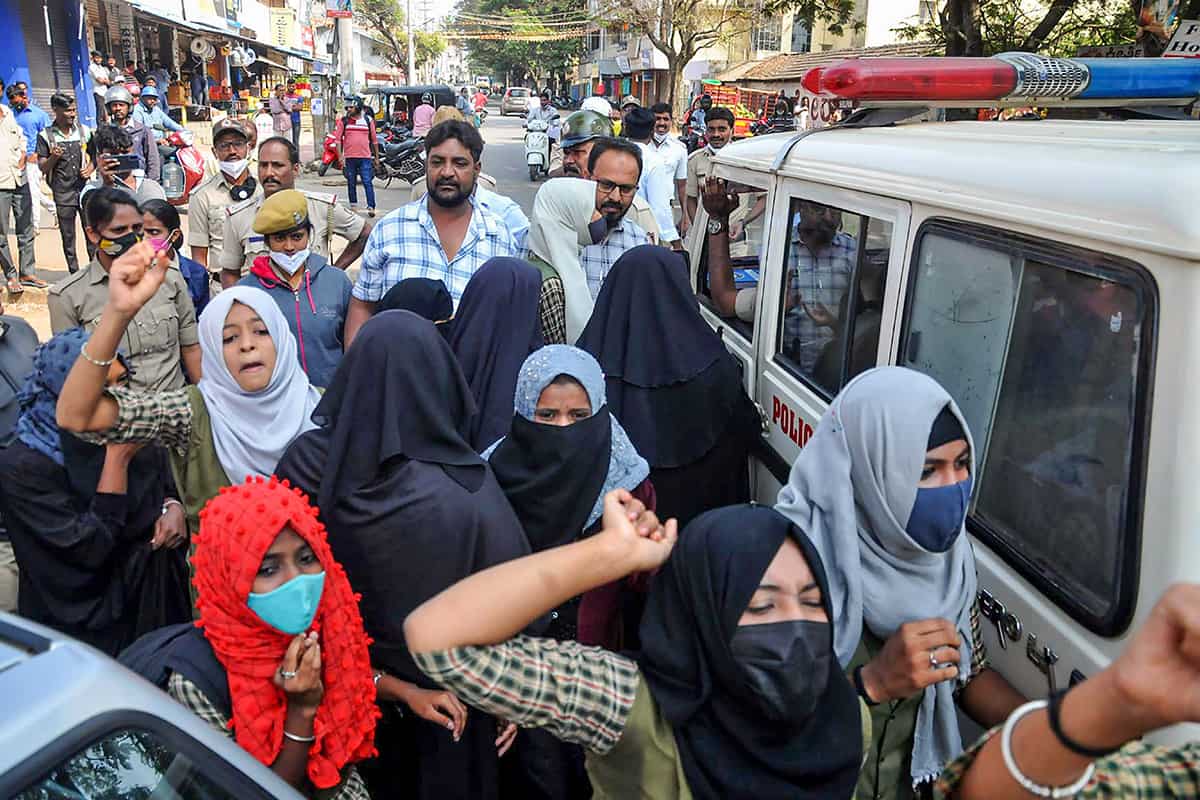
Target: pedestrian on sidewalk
(358,148)
(62,156)
(281,113)
(296,102)
(15,199)
(100,83)
(32,121)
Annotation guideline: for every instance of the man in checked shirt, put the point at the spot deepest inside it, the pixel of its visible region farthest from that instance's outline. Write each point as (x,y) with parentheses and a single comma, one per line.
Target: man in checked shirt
(821,262)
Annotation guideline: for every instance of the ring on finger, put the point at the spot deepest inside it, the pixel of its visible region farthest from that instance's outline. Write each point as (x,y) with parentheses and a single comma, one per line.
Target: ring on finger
(934,664)
(287,676)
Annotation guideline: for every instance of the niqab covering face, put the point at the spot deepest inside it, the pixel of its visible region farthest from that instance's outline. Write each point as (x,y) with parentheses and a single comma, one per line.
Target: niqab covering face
(237,527)
(562,212)
(728,748)
(496,327)
(851,490)
(252,429)
(556,477)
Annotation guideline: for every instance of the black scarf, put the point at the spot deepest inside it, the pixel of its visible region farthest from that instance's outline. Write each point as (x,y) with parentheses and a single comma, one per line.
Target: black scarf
(552,474)
(670,380)
(427,297)
(729,751)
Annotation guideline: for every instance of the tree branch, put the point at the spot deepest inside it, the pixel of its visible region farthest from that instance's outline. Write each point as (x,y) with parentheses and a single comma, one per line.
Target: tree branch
(1037,37)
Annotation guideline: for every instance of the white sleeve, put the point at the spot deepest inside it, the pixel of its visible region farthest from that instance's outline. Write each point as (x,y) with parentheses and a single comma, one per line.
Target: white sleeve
(681,162)
(659,190)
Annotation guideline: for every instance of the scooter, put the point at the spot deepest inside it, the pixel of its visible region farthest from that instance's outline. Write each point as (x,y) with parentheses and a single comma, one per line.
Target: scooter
(537,147)
(183,169)
(329,155)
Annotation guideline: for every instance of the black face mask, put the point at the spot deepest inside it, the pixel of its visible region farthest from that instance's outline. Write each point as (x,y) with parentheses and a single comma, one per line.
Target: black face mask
(786,665)
(243,190)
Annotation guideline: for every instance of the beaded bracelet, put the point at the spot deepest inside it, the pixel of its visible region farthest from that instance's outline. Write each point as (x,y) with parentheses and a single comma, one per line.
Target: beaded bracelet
(83,352)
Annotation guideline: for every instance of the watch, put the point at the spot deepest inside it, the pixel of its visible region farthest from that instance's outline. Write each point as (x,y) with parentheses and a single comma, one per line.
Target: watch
(715,226)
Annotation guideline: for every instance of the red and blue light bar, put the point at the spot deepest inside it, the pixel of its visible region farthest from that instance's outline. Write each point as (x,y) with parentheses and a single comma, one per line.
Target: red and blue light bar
(1022,78)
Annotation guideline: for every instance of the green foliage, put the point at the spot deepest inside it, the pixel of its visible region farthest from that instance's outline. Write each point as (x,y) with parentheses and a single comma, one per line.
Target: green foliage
(386,18)
(526,61)
(1006,26)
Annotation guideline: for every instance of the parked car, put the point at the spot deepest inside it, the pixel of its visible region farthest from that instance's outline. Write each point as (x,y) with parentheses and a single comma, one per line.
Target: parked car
(77,724)
(516,99)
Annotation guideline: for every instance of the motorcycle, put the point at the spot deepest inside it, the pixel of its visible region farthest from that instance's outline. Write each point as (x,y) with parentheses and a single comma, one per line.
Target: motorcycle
(773,125)
(183,167)
(537,147)
(404,160)
(329,155)
(481,117)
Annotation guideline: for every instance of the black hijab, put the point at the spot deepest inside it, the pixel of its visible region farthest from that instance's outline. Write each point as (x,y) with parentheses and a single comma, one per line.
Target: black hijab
(497,325)
(671,382)
(426,297)
(410,507)
(728,750)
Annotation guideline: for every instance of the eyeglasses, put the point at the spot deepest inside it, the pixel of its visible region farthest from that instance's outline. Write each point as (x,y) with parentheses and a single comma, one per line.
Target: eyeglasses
(230,146)
(608,187)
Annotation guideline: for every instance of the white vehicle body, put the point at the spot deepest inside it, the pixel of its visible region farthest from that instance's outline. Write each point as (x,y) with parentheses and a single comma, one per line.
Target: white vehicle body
(537,147)
(984,230)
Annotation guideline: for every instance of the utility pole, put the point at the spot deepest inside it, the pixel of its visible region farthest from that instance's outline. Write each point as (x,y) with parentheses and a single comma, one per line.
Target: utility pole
(412,57)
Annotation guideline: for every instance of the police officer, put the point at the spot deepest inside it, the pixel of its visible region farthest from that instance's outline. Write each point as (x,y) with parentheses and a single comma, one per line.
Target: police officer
(278,166)
(232,184)
(579,132)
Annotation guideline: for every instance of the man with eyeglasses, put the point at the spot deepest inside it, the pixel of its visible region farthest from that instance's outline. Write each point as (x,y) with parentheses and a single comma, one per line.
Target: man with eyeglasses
(232,184)
(616,167)
(656,185)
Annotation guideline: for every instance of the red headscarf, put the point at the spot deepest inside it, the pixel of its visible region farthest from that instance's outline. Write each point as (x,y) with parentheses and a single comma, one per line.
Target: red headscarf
(236,529)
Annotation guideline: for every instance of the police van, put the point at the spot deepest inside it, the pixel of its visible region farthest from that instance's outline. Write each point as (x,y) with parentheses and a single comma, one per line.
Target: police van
(1046,272)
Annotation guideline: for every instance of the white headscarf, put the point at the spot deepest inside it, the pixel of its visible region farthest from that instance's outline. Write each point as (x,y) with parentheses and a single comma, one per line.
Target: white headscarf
(852,490)
(558,228)
(252,429)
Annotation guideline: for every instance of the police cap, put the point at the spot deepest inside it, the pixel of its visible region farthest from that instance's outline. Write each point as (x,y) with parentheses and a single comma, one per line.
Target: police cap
(229,125)
(281,211)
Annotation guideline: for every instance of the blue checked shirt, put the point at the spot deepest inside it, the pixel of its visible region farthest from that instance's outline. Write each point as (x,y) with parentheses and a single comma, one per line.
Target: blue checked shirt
(822,277)
(405,244)
(598,259)
(510,214)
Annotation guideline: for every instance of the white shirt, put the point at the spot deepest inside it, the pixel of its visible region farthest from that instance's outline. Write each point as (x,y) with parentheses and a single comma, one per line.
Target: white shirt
(597,104)
(99,72)
(673,152)
(657,187)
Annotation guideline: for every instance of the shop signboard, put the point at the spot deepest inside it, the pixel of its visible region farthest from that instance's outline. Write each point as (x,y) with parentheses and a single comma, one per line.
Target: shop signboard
(1111,51)
(1186,41)
(339,8)
(283,27)
(306,38)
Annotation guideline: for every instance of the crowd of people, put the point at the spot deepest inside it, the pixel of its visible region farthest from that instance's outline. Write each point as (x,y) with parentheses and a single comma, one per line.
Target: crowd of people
(477,524)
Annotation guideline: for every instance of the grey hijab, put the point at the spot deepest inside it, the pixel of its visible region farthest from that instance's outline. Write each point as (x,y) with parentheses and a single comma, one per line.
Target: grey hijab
(851,491)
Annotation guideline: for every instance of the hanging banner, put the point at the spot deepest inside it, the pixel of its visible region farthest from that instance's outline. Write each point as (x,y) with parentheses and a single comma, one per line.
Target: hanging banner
(283,27)
(339,8)
(306,38)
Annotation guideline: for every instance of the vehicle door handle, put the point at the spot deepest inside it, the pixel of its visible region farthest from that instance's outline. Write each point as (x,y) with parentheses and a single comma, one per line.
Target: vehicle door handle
(762,418)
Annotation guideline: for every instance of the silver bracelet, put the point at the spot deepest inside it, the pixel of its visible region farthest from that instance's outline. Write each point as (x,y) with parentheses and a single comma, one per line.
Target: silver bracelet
(301,739)
(83,352)
(1025,782)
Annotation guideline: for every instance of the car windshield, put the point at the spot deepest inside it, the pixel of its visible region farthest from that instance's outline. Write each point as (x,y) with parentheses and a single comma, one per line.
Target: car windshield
(519,92)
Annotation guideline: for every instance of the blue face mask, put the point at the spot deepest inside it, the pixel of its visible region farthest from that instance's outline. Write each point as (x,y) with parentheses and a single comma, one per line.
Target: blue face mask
(291,607)
(938,514)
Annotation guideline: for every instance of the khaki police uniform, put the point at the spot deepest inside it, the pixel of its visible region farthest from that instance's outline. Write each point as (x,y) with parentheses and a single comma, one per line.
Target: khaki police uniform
(206,215)
(242,245)
(642,216)
(152,341)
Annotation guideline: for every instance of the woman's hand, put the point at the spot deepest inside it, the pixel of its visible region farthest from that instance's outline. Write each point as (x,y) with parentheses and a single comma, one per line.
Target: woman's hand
(122,453)
(635,533)
(299,674)
(135,276)
(905,665)
(171,528)
(506,734)
(439,707)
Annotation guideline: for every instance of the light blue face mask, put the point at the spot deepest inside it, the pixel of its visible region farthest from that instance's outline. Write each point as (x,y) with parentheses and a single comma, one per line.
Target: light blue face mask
(291,607)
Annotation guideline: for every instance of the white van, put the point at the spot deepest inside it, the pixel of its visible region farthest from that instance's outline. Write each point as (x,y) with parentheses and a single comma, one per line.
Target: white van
(1047,273)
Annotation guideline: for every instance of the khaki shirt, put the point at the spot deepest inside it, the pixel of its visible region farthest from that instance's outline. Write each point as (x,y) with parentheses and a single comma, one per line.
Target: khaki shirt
(206,215)
(240,245)
(154,337)
(641,215)
(699,165)
(12,147)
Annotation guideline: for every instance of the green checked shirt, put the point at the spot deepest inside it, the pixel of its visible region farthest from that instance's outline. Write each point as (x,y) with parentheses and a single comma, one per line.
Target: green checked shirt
(189,695)
(1138,771)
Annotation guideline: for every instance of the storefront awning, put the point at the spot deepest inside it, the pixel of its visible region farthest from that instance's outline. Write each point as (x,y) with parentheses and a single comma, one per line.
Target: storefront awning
(608,66)
(266,62)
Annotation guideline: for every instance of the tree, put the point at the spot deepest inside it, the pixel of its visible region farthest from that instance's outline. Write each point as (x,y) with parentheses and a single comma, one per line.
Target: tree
(386,18)
(679,29)
(529,53)
(1050,27)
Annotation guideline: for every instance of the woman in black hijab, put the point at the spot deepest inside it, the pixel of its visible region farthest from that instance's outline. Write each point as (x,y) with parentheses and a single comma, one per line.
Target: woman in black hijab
(426,297)
(496,327)
(410,508)
(673,385)
(736,694)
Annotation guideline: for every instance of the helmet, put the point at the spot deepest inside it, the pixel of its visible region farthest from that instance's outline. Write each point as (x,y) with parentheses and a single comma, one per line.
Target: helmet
(706,101)
(583,126)
(118,94)
(427,97)
(149,91)
(353,100)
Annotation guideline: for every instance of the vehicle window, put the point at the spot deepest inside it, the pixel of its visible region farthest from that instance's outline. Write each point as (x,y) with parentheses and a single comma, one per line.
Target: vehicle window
(746,226)
(520,92)
(1043,348)
(128,765)
(832,294)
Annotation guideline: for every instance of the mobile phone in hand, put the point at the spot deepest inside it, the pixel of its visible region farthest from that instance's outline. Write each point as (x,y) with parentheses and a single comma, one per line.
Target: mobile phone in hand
(126,163)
